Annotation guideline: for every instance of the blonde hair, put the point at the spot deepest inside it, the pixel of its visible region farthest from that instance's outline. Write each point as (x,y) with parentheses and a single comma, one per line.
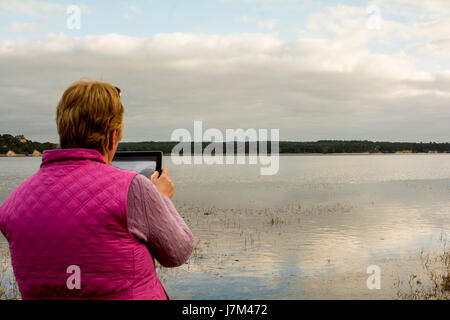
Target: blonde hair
(88,112)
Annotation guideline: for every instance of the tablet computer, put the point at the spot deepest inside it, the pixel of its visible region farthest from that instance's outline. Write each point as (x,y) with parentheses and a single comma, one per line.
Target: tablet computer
(143,162)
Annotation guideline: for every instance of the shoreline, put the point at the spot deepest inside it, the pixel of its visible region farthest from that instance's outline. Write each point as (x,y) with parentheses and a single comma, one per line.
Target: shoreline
(284,154)
(19,156)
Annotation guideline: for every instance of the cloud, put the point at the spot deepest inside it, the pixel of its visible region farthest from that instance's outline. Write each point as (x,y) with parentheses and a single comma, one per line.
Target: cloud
(415,9)
(341,79)
(24,27)
(43,14)
(309,89)
(30,8)
(37,8)
(420,35)
(242,19)
(131,10)
(345,20)
(267,24)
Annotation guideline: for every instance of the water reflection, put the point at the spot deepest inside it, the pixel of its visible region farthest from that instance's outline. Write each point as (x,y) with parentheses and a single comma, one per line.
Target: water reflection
(309,232)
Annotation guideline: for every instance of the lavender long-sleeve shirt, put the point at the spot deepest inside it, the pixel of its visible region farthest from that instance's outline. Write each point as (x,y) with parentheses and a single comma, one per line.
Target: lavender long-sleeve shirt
(153,219)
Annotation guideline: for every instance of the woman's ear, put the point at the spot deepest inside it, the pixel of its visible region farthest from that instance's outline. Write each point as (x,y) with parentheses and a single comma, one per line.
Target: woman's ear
(112,140)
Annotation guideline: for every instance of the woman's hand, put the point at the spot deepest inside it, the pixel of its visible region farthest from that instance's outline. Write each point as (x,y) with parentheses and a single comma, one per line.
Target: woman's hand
(163,183)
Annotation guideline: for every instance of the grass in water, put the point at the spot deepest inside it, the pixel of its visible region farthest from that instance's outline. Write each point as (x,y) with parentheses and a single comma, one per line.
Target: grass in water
(8,284)
(434,284)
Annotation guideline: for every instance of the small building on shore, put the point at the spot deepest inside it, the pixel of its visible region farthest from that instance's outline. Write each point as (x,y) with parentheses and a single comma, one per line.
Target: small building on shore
(10,153)
(36,153)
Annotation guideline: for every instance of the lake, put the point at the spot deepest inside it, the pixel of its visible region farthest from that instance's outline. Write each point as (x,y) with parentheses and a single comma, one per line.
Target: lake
(309,232)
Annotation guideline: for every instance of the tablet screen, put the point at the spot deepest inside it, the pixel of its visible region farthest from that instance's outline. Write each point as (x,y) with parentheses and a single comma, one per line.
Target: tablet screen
(144,164)
(144,168)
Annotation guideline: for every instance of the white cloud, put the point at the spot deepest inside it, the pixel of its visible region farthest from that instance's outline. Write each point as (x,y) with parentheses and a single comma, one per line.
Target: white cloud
(269,24)
(243,19)
(30,8)
(340,80)
(37,8)
(24,27)
(43,14)
(131,10)
(309,89)
(416,9)
(421,39)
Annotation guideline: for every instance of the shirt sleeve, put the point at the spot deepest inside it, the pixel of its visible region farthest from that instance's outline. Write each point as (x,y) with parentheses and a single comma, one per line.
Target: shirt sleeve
(153,219)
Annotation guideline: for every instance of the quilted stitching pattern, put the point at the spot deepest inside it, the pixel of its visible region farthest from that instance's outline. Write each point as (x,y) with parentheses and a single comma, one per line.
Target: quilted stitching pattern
(73,212)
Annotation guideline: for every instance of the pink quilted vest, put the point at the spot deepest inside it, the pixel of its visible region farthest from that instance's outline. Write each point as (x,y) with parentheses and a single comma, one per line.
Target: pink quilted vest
(72,215)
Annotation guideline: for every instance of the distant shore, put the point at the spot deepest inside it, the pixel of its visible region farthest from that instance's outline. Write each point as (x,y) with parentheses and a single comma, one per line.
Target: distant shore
(19,156)
(280,154)
(21,146)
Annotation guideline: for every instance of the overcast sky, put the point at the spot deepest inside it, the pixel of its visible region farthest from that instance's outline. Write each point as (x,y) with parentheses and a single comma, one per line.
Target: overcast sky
(376,70)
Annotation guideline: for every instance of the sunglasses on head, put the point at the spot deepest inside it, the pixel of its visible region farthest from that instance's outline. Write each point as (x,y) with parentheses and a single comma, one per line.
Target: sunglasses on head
(119,92)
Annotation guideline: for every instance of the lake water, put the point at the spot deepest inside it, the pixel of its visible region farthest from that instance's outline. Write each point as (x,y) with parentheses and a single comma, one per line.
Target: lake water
(309,232)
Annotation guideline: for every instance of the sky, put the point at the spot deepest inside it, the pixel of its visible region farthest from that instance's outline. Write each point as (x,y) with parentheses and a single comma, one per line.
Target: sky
(349,70)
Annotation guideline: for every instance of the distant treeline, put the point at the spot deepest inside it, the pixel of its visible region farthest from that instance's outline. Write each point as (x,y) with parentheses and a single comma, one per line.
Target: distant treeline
(323,146)
(20,145)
